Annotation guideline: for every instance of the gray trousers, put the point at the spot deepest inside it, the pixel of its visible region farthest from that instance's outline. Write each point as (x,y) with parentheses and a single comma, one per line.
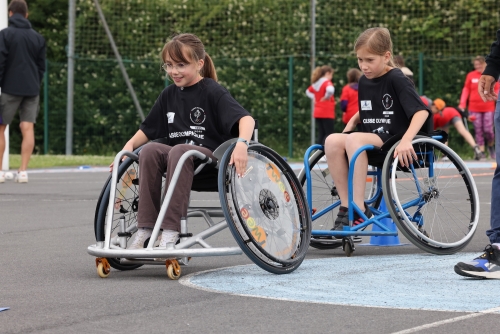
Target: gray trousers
(154,160)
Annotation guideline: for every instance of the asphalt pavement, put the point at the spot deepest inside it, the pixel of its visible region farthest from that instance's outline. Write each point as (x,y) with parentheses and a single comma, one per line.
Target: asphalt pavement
(50,285)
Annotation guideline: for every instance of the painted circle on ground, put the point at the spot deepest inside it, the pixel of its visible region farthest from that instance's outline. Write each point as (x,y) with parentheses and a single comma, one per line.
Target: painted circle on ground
(416,281)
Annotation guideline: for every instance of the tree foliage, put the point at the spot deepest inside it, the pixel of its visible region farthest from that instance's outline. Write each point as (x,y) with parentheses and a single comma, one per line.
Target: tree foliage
(252,43)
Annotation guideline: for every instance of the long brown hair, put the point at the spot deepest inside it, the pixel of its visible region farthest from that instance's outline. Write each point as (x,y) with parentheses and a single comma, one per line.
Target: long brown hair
(377,41)
(194,47)
(353,75)
(319,72)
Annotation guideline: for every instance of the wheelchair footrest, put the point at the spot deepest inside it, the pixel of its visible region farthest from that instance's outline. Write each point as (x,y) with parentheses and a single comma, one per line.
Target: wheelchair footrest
(161,253)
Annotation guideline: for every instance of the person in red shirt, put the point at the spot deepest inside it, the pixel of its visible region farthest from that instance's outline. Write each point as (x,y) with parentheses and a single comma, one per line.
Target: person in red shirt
(481,113)
(349,95)
(321,92)
(444,116)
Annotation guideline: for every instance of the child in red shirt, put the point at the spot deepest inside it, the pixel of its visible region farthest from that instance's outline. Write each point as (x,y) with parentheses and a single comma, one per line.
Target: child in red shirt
(481,113)
(349,95)
(321,92)
(444,116)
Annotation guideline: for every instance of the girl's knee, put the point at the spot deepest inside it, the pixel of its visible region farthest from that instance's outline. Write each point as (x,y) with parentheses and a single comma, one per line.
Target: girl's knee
(335,140)
(177,151)
(148,149)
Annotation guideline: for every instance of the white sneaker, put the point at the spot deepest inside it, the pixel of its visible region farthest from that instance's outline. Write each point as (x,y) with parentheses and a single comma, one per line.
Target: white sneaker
(21,177)
(140,238)
(2,177)
(168,237)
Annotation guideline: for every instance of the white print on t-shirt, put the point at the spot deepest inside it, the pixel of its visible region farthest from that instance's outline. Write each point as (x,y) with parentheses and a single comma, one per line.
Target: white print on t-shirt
(366,105)
(388,112)
(197,115)
(475,80)
(387,101)
(380,130)
(376,120)
(197,127)
(186,134)
(170,116)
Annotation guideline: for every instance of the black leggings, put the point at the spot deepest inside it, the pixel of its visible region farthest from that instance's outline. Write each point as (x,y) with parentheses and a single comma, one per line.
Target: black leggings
(325,128)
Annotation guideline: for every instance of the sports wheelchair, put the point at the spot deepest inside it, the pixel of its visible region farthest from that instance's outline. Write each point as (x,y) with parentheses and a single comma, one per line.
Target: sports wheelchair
(434,202)
(265,209)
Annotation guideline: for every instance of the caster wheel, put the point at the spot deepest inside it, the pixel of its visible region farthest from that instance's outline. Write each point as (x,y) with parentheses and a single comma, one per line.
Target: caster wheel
(173,269)
(103,268)
(348,246)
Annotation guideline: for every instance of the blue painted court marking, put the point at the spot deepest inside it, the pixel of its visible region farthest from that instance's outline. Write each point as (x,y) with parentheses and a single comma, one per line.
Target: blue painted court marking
(417,281)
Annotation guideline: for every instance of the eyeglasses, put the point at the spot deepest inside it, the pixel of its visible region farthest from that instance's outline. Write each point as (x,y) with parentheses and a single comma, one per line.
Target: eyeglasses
(181,67)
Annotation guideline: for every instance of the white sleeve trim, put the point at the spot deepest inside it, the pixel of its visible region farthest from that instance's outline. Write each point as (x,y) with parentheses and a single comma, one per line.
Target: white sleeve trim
(330,90)
(309,94)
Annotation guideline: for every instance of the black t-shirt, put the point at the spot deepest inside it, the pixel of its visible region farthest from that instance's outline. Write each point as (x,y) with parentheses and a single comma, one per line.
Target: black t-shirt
(387,104)
(204,113)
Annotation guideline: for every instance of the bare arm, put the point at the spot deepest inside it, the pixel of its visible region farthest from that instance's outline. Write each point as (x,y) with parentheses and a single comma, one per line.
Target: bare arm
(240,156)
(405,149)
(351,125)
(137,140)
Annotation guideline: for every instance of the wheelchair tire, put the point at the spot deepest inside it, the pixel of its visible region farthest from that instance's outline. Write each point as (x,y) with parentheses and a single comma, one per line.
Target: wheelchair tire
(266,210)
(324,195)
(438,197)
(127,196)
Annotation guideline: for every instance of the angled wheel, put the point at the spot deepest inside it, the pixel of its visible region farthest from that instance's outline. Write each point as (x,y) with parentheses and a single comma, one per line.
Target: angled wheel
(325,199)
(434,203)
(266,210)
(126,204)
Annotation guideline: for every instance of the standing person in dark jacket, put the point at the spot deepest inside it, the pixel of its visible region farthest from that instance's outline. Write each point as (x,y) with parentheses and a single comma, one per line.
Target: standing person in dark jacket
(22,65)
(487,265)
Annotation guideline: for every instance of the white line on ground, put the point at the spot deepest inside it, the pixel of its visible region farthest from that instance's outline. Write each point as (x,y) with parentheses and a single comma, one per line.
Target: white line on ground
(448,321)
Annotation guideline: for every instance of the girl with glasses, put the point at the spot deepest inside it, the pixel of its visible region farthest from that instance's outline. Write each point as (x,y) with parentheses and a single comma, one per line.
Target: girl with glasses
(193,113)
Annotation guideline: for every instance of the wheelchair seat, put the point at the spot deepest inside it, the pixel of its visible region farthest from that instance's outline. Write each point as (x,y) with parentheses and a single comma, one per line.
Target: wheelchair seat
(376,157)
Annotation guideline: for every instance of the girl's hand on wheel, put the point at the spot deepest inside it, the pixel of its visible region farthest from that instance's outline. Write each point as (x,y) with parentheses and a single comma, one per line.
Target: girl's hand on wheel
(405,152)
(239,158)
(127,147)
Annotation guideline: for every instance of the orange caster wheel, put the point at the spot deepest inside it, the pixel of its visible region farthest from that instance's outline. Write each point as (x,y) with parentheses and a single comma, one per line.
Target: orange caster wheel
(103,268)
(173,269)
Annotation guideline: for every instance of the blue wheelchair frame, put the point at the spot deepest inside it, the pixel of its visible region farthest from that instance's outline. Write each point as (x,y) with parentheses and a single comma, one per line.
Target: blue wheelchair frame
(378,213)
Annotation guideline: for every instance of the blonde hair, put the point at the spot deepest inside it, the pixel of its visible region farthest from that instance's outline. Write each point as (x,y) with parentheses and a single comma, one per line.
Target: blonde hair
(320,71)
(377,41)
(480,59)
(194,47)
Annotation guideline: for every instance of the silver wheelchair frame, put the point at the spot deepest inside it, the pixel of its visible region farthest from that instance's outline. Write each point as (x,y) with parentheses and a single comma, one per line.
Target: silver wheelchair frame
(114,246)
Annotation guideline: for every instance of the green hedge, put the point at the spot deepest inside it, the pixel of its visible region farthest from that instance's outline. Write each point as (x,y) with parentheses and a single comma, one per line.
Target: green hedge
(105,117)
(251,42)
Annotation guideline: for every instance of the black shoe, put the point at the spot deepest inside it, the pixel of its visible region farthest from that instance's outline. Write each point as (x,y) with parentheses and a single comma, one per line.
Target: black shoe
(485,266)
(343,218)
(358,220)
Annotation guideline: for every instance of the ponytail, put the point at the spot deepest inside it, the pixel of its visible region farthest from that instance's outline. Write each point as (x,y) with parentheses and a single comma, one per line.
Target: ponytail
(319,72)
(208,70)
